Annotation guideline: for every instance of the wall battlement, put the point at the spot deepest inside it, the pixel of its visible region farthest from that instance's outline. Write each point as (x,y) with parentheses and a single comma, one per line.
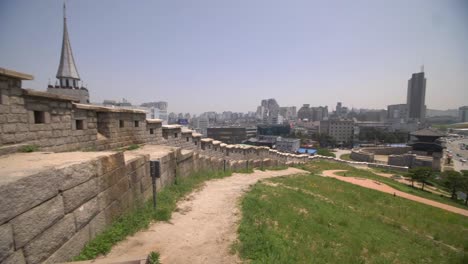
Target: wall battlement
(58,123)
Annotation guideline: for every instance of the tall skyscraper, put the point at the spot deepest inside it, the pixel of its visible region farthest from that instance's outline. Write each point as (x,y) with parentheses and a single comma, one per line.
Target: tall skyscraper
(268,111)
(463,113)
(416,97)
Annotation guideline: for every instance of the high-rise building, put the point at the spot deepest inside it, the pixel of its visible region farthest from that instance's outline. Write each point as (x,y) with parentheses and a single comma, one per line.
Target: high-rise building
(463,113)
(268,111)
(312,113)
(342,130)
(288,112)
(416,96)
(397,112)
(67,73)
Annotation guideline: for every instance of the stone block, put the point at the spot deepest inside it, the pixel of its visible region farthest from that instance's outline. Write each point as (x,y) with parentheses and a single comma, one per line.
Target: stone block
(145,183)
(109,163)
(6,241)
(33,222)
(16,258)
(72,247)
(97,224)
(49,241)
(126,201)
(113,211)
(110,178)
(17,109)
(25,193)
(86,212)
(9,128)
(136,162)
(138,174)
(71,176)
(76,196)
(113,193)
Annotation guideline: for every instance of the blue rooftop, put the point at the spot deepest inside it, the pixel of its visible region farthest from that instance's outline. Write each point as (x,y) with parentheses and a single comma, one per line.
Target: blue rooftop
(306,151)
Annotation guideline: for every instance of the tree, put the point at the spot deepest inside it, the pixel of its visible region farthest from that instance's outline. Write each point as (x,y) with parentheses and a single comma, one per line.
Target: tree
(464,185)
(325,152)
(422,174)
(454,181)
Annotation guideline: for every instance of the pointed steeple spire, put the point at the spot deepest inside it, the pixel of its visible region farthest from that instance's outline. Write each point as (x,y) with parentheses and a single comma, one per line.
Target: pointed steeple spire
(67,68)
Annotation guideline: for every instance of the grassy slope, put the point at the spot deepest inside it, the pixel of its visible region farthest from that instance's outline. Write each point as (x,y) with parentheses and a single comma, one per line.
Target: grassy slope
(328,221)
(319,166)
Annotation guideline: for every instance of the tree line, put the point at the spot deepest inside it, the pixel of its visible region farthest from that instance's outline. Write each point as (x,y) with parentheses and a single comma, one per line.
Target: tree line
(454,181)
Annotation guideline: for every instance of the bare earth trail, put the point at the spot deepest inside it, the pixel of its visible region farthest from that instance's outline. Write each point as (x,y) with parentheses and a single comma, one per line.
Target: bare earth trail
(203,227)
(408,182)
(371,184)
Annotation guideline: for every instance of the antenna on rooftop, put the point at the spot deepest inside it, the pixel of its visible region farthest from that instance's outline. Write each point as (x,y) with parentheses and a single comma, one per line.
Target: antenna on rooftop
(422,68)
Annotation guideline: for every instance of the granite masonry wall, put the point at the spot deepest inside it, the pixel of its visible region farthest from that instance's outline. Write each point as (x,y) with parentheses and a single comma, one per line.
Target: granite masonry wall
(359,155)
(49,215)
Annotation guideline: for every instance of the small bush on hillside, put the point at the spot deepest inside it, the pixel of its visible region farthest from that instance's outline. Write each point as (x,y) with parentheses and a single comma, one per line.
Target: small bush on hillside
(28,148)
(153,258)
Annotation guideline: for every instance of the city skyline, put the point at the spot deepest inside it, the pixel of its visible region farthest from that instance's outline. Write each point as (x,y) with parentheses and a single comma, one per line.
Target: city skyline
(261,67)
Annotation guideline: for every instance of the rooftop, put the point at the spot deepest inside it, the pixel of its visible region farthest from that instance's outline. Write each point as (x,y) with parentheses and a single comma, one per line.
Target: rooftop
(427,132)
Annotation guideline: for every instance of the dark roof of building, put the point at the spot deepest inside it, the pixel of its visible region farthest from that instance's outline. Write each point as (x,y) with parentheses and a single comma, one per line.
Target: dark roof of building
(427,132)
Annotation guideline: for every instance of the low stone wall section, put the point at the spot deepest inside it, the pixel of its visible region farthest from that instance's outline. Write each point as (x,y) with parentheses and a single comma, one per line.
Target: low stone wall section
(387,150)
(50,214)
(358,155)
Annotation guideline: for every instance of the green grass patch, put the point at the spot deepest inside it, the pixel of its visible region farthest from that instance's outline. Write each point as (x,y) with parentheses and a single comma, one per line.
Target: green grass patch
(346,157)
(28,148)
(153,258)
(313,219)
(317,167)
(325,152)
(133,147)
(141,217)
(274,168)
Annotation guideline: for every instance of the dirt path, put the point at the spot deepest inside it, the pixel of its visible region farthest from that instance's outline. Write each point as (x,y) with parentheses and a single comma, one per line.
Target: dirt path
(408,182)
(203,227)
(371,184)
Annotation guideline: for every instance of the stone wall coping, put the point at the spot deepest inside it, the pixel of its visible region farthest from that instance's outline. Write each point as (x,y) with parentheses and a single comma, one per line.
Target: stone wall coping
(197,135)
(206,140)
(19,165)
(172,126)
(154,121)
(15,74)
(99,108)
(216,142)
(223,145)
(187,131)
(34,93)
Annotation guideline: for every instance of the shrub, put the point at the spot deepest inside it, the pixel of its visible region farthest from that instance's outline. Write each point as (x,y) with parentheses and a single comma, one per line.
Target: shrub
(28,148)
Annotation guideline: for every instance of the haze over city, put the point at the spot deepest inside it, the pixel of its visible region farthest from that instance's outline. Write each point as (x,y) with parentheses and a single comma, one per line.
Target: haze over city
(228,55)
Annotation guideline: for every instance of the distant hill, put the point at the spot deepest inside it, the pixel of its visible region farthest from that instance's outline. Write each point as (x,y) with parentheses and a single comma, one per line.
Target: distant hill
(448,112)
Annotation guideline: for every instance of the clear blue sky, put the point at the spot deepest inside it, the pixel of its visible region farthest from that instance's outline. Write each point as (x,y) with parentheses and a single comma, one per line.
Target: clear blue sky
(228,55)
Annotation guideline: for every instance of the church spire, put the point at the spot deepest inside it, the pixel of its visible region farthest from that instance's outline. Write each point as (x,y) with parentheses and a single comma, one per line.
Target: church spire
(67,72)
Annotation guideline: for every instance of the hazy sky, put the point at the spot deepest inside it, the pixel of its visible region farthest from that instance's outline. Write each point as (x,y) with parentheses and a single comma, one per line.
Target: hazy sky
(202,55)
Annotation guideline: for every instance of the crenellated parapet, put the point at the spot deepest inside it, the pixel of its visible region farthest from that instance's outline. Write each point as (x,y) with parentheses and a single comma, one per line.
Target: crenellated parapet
(59,123)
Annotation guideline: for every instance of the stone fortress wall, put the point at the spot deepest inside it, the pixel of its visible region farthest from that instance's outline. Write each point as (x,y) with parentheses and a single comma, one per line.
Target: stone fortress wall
(52,204)
(397,156)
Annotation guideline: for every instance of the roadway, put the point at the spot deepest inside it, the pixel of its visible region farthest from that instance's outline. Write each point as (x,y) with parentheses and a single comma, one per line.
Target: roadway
(454,147)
